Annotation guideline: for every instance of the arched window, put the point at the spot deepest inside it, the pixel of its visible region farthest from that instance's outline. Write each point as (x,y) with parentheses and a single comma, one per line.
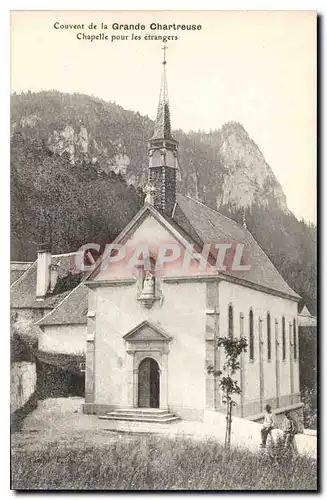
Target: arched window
(294,339)
(269,336)
(230,322)
(251,339)
(283,338)
(241,324)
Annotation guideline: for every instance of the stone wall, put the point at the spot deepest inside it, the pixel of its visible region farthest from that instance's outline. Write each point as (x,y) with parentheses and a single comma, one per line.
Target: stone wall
(22,383)
(67,339)
(247,434)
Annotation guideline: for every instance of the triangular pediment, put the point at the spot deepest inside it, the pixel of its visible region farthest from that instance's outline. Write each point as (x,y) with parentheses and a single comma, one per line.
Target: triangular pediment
(147,331)
(147,213)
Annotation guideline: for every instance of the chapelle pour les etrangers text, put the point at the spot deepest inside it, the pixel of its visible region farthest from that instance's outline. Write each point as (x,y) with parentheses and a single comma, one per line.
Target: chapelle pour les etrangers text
(93,32)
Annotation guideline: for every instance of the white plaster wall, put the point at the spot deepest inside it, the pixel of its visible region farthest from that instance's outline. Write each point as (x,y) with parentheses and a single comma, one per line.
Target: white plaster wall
(67,339)
(151,234)
(181,314)
(22,383)
(297,368)
(242,299)
(297,375)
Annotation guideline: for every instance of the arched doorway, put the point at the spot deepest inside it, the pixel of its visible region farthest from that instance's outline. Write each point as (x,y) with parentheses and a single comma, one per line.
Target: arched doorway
(148,384)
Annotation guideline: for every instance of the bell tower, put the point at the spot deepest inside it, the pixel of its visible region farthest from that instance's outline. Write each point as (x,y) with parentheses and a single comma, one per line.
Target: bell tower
(162,152)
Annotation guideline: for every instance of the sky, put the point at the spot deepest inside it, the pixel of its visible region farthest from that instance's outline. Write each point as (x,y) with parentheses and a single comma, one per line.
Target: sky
(257,68)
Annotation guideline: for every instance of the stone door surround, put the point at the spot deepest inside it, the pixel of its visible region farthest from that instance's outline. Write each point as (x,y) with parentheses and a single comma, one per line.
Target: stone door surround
(147,340)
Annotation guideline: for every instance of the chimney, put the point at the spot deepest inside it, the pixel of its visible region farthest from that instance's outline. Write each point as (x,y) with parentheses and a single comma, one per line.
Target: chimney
(53,275)
(43,271)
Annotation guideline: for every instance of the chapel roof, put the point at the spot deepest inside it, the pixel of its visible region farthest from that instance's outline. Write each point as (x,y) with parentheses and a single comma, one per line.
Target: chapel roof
(212,227)
(199,224)
(203,225)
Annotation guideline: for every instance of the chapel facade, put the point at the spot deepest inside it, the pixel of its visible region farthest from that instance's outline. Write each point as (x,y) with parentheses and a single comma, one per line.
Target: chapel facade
(150,333)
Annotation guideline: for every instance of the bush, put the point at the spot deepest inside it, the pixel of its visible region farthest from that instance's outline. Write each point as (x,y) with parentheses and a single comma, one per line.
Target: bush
(309,398)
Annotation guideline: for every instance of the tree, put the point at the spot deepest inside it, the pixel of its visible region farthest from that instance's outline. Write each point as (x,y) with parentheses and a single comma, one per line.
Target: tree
(61,204)
(233,348)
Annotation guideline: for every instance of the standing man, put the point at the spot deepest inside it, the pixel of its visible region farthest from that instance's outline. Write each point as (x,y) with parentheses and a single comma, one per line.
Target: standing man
(289,430)
(268,425)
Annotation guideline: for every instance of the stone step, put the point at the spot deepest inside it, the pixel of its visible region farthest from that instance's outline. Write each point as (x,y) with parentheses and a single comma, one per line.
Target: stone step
(140,415)
(140,411)
(146,415)
(166,419)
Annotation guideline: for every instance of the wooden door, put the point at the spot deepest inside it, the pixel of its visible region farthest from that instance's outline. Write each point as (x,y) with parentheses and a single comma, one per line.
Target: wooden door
(148,384)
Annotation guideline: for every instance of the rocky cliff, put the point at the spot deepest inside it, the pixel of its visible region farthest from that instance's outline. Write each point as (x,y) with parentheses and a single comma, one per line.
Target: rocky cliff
(92,155)
(248,179)
(223,167)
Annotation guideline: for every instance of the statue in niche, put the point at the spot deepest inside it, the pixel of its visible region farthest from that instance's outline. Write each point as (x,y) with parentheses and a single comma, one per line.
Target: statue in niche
(148,290)
(148,284)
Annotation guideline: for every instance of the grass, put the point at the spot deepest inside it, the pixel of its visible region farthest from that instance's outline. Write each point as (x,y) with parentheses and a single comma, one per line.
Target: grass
(157,463)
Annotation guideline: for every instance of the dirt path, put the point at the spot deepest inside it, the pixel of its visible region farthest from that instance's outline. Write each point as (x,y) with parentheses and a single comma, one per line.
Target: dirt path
(61,419)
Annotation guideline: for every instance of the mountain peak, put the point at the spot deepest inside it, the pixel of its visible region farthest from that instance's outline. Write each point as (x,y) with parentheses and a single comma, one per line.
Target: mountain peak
(92,140)
(219,167)
(232,127)
(249,180)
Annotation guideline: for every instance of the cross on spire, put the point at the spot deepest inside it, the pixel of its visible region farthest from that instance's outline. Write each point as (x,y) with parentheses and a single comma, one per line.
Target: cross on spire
(162,128)
(164,48)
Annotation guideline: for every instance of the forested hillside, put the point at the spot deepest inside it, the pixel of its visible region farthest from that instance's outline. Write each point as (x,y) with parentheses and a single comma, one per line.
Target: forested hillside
(79,164)
(61,204)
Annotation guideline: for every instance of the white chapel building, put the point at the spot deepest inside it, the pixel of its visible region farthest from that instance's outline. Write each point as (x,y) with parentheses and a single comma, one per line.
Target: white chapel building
(149,336)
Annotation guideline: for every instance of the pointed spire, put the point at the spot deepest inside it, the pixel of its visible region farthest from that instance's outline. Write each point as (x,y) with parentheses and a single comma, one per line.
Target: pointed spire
(162,127)
(163,155)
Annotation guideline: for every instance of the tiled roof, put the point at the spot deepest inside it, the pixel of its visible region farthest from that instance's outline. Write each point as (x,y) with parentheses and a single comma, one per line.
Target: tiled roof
(305,318)
(23,291)
(305,311)
(17,269)
(71,310)
(201,223)
(212,227)
(14,275)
